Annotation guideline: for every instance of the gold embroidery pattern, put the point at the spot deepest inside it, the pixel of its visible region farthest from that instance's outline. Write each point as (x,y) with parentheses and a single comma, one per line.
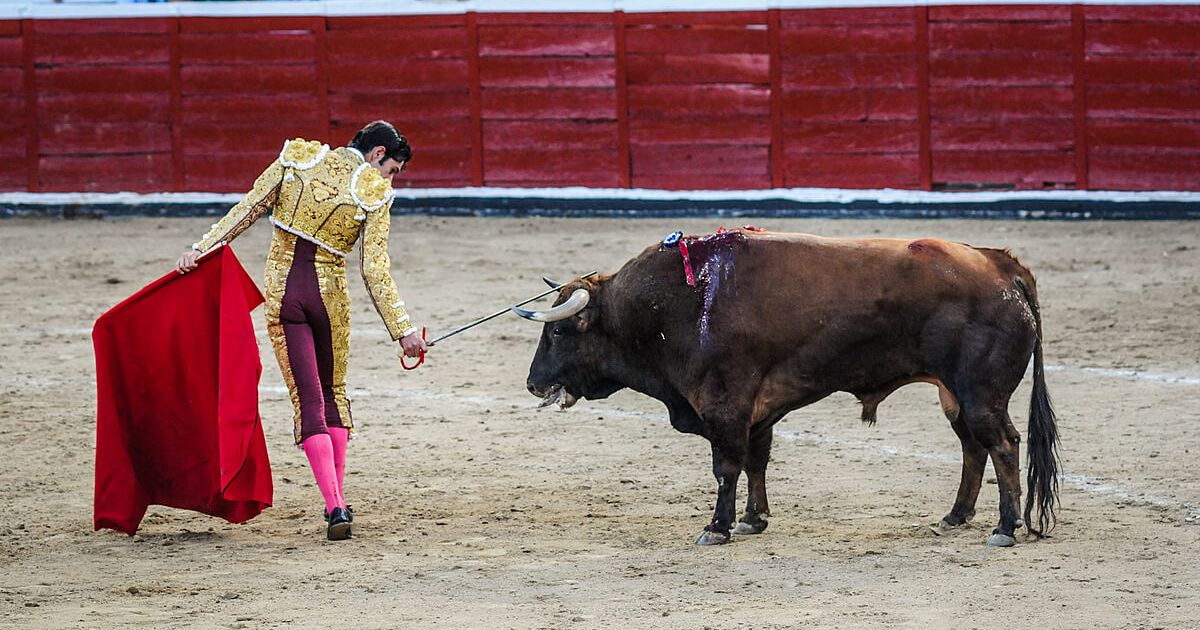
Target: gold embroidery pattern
(261,199)
(279,263)
(335,294)
(322,192)
(376,268)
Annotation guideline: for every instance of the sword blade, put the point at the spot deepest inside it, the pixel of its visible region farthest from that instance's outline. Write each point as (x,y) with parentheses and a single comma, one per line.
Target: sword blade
(502,311)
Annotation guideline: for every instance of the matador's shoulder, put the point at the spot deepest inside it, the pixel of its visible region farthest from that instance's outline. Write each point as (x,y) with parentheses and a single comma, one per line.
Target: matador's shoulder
(302,154)
(369,188)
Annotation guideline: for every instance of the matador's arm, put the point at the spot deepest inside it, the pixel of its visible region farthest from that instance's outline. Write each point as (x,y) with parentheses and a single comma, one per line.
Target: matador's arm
(376,268)
(261,198)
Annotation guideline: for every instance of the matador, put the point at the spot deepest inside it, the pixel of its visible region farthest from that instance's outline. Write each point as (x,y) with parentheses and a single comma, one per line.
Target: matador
(321,202)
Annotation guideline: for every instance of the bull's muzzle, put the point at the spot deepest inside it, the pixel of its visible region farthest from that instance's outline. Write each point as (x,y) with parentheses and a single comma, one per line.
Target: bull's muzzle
(577,302)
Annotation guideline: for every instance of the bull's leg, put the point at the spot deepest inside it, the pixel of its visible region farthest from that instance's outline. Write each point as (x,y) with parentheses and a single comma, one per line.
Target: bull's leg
(727,467)
(974,461)
(994,430)
(753,521)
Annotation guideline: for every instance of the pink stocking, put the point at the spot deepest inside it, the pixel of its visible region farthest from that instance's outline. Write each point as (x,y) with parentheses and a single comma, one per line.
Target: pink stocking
(319,449)
(340,437)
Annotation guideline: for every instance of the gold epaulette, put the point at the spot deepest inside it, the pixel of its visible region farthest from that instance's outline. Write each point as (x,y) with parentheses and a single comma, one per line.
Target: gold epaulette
(369,189)
(301,154)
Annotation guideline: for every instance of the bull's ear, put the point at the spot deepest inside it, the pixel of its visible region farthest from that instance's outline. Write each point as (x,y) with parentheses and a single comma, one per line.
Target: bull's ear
(585,319)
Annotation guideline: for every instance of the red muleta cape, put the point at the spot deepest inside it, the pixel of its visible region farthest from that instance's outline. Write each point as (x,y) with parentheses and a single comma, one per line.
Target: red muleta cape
(177,421)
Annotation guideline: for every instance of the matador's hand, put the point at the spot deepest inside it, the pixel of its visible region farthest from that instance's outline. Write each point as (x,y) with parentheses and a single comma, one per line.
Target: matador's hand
(187,261)
(413,346)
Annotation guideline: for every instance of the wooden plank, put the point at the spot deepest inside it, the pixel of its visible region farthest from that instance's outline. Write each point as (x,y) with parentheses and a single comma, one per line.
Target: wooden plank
(699,181)
(545,19)
(57,138)
(111,80)
(447,134)
(925,143)
(219,138)
(385,24)
(418,106)
(894,170)
(10,28)
(982,103)
(1022,169)
(740,98)
(113,26)
(13,174)
(700,160)
(546,165)
(1000,13)
(101,108)
(1163,136)
(1109,38)
(177,174)
(322,87)
(1051,134)
(950,69)
(842,40)
(733,68)
(228,172)
(430,74)
(30,87)
(813,72)
(559,41)
(240,49)
(1133,101)
(852,137)
(622,58)
(441,134)
(1145,171)
(800,18)
(476,84)
(894,104)
(13,150)
(257,25)
(813,105)
(12,112)
(547,72)
(776,157)
(291,79)
(102,49)
(500,135)
(698,17)
(1079,99)
(107,173)
(1142,70)
(697,40)
(553,103)
(440,165)
(12,53)
(442,42)
(12,76)
(1142,13)
(246,109)
(1001,37)
(698,129)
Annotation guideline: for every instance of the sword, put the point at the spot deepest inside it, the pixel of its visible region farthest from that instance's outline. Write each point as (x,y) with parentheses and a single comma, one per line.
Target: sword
(502,311)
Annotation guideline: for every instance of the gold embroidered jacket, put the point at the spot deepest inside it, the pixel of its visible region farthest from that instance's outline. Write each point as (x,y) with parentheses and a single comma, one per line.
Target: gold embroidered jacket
(331,198)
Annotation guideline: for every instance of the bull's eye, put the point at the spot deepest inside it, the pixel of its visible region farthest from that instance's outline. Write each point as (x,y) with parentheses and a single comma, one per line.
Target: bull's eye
(556,331)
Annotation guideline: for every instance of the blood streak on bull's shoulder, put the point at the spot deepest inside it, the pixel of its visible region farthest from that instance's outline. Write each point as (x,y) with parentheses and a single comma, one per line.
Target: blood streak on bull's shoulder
(713,255)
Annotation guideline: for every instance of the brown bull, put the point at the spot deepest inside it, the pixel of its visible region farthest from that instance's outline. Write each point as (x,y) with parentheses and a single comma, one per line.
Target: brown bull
(779,321)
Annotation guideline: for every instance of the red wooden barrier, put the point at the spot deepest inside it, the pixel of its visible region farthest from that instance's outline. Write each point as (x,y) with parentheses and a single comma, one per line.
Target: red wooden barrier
(952,97)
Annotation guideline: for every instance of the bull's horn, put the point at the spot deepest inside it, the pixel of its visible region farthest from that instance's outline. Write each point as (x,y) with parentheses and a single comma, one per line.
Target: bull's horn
(552,284)
(574,304)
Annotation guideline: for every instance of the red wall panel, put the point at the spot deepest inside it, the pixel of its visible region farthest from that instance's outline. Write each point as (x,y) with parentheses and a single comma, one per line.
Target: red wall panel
(1028,96)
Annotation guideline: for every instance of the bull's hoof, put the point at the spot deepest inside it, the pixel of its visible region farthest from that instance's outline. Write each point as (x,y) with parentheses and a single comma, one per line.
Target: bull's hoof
(708,537)
(744,528)
(1001,540)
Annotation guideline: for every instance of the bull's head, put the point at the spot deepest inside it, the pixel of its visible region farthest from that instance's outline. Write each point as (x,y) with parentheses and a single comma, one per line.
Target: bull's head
(570,356)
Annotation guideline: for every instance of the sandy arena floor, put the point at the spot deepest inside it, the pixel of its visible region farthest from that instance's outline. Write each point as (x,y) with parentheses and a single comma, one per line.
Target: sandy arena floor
(475,510)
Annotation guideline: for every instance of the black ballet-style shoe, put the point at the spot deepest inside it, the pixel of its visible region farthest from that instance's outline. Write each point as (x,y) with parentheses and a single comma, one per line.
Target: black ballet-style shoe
(339,525)
(349,512)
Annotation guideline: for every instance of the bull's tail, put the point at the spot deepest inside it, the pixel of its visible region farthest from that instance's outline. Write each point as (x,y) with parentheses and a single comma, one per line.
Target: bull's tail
(1041,477)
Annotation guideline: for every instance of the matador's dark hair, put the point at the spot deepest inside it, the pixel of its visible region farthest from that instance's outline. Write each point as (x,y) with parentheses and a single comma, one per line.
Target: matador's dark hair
(381,133)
